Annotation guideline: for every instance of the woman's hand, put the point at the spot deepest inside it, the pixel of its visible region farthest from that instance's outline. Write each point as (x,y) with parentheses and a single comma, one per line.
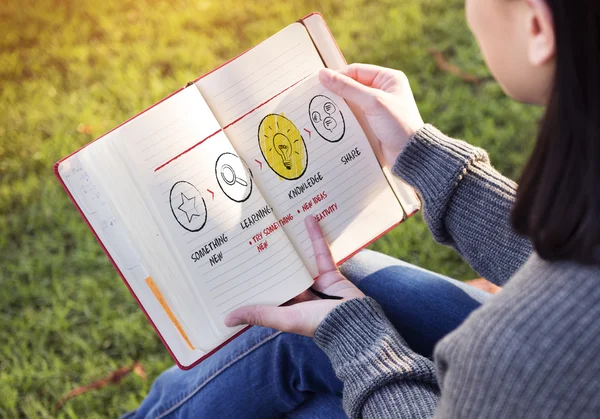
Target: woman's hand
(384,95)
(303,314)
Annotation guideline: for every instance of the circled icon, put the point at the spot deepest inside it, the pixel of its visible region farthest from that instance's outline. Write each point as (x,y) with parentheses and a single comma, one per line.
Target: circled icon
(326,118)
(233,177)
(282,146)
(188,206)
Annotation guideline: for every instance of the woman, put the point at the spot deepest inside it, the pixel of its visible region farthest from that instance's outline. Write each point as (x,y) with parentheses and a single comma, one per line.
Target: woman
(531,351)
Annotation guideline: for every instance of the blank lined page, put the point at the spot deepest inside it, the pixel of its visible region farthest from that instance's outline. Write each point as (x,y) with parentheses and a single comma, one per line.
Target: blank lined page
(244,84)
(167,130)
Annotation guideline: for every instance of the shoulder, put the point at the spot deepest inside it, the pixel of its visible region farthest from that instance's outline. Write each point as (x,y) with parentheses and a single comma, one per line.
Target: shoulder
(533,348)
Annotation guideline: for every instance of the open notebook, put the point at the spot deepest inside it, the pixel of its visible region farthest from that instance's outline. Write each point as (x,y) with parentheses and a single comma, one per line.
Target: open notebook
(199,201)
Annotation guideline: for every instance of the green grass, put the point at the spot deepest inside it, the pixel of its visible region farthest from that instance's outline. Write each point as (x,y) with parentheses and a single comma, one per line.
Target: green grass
(65,317)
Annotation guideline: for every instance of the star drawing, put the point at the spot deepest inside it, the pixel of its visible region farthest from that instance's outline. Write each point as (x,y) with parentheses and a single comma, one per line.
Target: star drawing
(188,206)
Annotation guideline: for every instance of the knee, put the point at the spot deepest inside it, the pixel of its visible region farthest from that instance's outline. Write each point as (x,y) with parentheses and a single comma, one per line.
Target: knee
(294,348)
(357,267)
(366,263)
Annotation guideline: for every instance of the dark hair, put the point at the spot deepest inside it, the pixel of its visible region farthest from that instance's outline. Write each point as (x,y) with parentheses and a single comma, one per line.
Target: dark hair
(558,199)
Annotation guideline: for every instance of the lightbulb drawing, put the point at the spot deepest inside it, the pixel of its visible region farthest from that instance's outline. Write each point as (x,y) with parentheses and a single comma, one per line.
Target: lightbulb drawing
(282,146)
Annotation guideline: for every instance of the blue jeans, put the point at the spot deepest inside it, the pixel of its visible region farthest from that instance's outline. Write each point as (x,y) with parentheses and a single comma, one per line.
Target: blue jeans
(268,374)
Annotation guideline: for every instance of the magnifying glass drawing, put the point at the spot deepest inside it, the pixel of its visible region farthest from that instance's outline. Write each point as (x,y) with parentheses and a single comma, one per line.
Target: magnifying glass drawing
(229,177)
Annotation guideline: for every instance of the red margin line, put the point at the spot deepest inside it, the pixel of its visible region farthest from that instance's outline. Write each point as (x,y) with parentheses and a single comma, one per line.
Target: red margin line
(189,149)
(263,104)
(230,124)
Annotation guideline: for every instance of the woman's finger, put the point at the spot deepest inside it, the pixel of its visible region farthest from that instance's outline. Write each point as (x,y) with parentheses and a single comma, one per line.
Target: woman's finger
(346,87)
(256,315)
(323,257)
(375,77)
(366,74)
(287,319)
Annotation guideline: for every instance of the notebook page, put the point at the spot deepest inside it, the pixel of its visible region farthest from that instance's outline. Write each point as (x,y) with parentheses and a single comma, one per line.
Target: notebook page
(276,64)
(92,202)
(109,165)
(218,226)
(310,156)
(333,58)
(267,79)
(343,186)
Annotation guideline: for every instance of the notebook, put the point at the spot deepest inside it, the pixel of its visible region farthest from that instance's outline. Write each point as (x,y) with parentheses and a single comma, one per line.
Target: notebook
(200,200)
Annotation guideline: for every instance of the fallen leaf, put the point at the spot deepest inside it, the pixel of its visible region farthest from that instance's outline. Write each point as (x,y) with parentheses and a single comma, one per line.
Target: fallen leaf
(444,65)
(113,378)
(138,369)
(85,129)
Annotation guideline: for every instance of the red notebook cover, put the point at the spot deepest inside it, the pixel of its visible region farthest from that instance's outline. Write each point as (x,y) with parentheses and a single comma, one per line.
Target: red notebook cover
(164,341)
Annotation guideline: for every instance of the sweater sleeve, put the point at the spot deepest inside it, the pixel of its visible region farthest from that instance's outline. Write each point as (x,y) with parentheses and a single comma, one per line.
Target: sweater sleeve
(467,203)
(382,376)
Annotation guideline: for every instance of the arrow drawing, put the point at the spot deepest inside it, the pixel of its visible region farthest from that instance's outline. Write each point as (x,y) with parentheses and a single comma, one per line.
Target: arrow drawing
(259,162)
(308,132)
(212,193)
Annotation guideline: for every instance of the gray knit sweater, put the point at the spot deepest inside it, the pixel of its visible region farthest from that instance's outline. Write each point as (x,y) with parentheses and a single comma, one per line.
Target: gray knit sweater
(531,351)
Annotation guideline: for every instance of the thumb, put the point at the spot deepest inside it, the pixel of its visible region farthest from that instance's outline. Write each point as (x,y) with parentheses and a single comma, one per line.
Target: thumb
(258,316)
(302,318)
(346,87)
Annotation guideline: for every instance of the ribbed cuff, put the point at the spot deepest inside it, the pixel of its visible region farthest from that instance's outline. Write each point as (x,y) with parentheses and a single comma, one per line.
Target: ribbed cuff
(367,353)
(434,164)
(352,328)
(357,333)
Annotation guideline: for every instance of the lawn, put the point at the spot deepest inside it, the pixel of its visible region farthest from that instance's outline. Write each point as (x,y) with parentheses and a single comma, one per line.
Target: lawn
(72,69)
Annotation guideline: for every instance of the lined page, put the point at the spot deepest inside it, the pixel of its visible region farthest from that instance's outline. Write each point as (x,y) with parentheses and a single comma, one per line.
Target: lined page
(333,58)
(205,202)
(261,73)
(332,171)
(343,187)
(337,177)
(168,130)
(91,199)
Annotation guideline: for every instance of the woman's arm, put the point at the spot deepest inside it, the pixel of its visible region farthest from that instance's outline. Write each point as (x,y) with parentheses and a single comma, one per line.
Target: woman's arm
(382,376)
(466,202)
